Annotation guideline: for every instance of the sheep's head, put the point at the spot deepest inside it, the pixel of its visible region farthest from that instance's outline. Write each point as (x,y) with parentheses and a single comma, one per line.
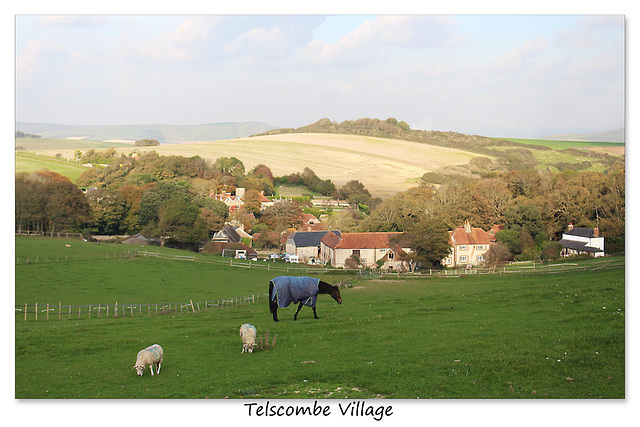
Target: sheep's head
(139,370)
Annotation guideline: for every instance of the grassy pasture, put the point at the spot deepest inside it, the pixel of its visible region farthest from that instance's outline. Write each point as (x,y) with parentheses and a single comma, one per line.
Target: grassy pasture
(561,144)
(27,162)
(558,336)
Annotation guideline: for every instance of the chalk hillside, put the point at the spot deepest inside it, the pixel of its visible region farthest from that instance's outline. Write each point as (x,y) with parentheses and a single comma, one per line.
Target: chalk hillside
(384,166)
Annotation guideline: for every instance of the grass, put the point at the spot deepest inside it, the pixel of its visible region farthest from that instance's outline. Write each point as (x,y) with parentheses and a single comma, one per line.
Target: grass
(561,145)
(27,162)
(558,336)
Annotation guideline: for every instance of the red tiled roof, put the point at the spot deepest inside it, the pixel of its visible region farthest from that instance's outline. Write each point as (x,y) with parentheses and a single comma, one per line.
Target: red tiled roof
(359,240)
(477,237)
(330,239)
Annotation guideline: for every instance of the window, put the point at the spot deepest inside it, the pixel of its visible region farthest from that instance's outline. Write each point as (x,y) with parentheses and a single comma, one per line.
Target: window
(479,258)
(391,255)
(356,252)
(481,247)
(463,247)
(463,258)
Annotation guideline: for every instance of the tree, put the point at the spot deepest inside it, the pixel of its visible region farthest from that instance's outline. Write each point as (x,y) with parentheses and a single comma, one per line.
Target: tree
(49,202)
(497,255)
(428,240)
(153,198)
(146,143)
(354,192)
(108,210)
(178,221)
(229,165)
(353,261)
(551,251)
(252,202)
(282,215)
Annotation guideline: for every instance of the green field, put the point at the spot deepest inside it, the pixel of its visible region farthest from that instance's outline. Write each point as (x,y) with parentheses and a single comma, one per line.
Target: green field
(553,336)
(28,162)
(561,144)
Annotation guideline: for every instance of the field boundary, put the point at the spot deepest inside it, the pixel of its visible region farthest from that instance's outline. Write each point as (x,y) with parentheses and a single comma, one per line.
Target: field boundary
(58,311)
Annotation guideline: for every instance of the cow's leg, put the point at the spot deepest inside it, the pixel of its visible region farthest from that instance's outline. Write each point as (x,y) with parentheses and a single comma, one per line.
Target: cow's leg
(295,317)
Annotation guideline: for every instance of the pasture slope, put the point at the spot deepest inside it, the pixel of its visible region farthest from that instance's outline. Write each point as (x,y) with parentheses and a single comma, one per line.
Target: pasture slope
(551,336)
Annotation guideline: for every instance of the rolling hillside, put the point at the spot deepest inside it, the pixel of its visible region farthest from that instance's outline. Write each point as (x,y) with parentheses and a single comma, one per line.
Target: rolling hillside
(385,157)
(159,132)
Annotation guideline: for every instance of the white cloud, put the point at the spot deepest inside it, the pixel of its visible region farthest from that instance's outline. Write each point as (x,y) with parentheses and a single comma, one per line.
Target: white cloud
(261,41)
(30,58)
(372,37)
(519,58)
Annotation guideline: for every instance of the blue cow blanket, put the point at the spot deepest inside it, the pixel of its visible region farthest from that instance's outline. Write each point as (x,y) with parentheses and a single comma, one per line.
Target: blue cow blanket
(289,289)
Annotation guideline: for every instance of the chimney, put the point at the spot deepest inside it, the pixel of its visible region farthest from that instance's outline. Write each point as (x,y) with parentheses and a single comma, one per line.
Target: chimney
(570,226)
(596,232)
(467,226)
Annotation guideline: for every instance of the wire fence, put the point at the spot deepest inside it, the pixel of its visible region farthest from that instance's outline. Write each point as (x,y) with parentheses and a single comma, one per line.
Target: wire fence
(59,311)
(48,311)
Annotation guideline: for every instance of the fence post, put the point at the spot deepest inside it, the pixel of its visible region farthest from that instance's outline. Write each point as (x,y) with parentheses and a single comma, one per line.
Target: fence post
(47,311)
(36,311)
(25,311)
(116,312)
(59,308)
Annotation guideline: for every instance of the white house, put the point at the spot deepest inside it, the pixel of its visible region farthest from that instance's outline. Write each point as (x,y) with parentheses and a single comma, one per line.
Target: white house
(578,240)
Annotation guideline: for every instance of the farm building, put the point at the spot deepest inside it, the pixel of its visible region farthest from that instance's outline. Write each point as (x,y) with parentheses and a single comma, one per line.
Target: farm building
(373,250)
(232,234)
(469,244)
(578,240)
(306,245)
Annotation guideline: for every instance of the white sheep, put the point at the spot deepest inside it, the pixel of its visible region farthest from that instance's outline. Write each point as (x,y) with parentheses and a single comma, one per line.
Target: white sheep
(147,357)
(248,334)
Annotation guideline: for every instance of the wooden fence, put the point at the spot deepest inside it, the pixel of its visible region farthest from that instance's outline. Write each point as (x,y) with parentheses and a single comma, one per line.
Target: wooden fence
(48,311)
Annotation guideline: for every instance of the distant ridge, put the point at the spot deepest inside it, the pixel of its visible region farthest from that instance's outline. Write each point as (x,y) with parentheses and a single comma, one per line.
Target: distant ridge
(159,132)
(610,136)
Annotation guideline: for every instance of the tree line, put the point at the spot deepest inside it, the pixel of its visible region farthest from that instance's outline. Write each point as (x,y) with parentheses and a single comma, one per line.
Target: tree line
(168,197)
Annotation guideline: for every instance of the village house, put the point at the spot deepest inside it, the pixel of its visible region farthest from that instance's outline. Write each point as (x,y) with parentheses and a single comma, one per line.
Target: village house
(373,250)
(469,245)
(578,240)
(265,202)
(306,245)
(231,234)
(233,202)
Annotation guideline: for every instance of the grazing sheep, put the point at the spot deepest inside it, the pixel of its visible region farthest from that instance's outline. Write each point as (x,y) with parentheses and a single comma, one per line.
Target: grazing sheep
(248,334)
(149,356)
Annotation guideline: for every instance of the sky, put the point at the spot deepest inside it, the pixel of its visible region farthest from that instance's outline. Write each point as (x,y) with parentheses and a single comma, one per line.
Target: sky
(524,76)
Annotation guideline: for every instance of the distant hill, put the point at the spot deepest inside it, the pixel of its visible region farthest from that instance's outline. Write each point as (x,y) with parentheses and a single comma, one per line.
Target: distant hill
(159,132)
(611,136)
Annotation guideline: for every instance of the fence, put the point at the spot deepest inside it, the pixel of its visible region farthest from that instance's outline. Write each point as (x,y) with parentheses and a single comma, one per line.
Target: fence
(516,268)
(59,311)
(264,265)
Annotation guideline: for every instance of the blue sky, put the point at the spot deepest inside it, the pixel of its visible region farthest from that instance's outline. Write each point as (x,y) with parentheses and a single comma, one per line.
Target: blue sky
(495,75)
